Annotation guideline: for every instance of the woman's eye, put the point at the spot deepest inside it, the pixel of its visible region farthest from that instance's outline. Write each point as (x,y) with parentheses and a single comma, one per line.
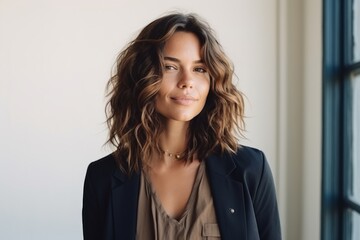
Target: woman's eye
(200,70)
(170,67)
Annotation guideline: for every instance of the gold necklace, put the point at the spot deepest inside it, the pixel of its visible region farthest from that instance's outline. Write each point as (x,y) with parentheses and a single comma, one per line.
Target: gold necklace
(174,155)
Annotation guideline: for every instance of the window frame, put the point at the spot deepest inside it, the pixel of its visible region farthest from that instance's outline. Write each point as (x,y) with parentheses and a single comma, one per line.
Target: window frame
(336,135)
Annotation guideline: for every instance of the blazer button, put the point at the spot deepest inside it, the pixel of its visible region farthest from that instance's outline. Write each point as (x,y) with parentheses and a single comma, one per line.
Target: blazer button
(232,210)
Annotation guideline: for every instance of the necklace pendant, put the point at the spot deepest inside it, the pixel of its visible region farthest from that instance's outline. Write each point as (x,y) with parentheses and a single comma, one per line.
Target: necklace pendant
(177,156)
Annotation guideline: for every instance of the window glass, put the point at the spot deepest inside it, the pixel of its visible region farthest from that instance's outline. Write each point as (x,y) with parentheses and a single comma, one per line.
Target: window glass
(355,156)
(352,230)
(356,30)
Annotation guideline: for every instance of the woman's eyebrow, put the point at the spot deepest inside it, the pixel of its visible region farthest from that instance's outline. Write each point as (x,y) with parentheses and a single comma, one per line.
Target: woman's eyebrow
(178,60)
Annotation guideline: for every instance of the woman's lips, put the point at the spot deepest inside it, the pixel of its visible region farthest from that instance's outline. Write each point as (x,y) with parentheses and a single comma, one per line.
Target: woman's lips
(184,100)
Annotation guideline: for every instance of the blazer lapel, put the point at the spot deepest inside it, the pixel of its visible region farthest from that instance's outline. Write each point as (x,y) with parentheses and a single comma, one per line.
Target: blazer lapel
(228,196)
(125,202)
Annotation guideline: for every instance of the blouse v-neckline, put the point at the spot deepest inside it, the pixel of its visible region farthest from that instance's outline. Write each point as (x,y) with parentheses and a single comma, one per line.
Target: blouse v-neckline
(190,202)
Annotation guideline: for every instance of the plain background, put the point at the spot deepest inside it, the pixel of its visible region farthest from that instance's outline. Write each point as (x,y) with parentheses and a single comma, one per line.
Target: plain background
(55,60)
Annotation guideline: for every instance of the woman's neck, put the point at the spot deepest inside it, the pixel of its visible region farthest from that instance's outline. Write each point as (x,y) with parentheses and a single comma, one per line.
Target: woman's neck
(174,138)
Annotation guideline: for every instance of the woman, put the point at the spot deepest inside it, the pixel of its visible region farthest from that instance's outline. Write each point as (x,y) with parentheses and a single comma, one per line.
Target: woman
(178,171)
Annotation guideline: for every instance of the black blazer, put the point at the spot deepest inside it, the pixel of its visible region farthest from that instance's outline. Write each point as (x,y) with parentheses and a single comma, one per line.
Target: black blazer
(241,184)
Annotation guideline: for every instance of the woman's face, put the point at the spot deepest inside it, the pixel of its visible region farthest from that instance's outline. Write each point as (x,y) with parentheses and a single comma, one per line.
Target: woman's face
(186,82)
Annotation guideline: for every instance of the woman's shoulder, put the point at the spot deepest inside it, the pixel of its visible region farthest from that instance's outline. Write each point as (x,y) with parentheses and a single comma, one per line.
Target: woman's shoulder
(102,169)
(104,163)
(246,161)
(253,169)
(249,157)
(251,163)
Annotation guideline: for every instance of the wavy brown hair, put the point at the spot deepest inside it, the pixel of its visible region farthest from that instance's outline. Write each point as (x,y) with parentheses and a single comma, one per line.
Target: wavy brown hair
(134,124)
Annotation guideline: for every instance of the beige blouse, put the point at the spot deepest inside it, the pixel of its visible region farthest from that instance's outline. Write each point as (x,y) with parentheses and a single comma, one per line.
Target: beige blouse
(197,222)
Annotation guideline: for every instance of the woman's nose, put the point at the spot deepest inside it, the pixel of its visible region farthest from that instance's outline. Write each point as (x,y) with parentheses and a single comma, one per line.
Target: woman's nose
(186,80)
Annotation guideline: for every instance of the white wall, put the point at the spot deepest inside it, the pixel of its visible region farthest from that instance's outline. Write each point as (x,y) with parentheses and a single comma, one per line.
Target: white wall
(55,59)
(312,73)
(299,117)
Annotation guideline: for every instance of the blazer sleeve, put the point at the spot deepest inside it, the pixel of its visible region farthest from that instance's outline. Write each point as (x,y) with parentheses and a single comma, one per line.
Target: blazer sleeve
(265,205)
(90,211)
